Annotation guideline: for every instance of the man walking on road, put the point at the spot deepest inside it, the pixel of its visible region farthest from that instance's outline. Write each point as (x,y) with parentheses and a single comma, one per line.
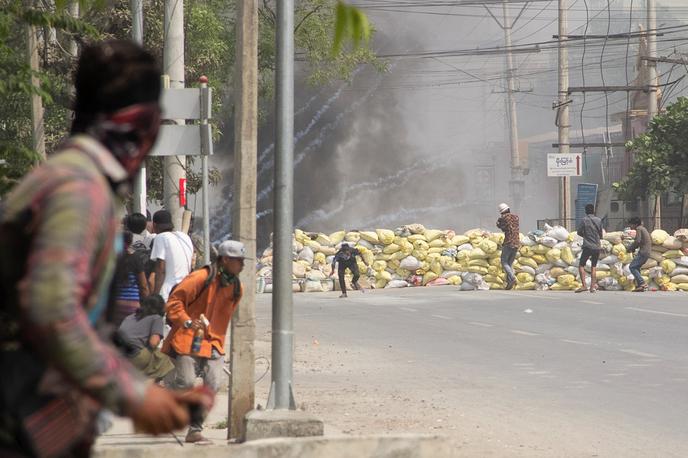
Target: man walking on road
(345,258)
(591,230)
(508,222)
(644,242)
(213,293)
(58,239)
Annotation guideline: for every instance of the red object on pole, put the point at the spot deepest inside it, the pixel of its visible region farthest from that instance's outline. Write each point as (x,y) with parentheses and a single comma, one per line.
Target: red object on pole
(182,192)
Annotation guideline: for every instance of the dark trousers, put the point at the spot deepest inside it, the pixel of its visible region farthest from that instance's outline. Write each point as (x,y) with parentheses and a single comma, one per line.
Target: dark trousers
(353,267)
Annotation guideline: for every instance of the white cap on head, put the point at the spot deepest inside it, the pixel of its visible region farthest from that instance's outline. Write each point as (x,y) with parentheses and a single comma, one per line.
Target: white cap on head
(231,249)
(502,207)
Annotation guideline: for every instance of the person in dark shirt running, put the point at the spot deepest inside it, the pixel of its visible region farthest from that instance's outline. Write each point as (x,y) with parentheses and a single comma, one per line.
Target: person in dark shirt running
(345,258)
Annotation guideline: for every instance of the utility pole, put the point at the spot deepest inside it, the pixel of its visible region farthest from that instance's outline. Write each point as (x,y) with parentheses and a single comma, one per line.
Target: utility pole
(37,112)
(653,88)
(139,193)
(242,356)
(281,393)
(173,65)
(73,48)
(563,122)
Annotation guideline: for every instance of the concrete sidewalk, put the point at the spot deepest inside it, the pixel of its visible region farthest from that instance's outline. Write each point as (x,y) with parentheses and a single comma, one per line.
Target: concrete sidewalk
(122,442)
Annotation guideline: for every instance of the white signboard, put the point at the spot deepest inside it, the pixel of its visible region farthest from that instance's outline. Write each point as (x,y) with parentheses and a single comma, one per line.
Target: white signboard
(564,165)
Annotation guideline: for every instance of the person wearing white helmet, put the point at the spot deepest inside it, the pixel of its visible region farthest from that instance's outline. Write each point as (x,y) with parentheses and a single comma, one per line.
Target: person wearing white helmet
(203,301)
(508,222)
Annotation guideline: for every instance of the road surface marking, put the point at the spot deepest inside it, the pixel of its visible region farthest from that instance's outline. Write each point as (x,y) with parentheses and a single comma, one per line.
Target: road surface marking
(658,312)
(477,323)
(538,372)
(523,364)
(442,317)
(592,302)
(524,333)
(638,365)
(577,342)
(638,353)
(408,309)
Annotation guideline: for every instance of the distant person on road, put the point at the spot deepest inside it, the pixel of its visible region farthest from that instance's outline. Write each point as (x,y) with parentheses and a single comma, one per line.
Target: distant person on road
(130,280)
(643,241)
(172,253)
(214,292)
(508,222)
(345,258)
(590,229)
(59,242)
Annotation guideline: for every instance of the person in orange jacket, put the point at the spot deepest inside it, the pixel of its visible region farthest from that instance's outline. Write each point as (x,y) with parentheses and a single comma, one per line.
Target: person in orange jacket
(214,292)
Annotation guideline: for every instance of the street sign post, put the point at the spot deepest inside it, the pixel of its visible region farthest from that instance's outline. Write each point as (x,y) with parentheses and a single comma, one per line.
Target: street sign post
(564,165)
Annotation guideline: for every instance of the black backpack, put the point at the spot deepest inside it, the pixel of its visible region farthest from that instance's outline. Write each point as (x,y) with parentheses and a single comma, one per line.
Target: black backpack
(142,253)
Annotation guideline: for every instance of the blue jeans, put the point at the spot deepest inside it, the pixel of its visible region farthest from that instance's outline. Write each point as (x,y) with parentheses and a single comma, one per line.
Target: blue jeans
(508,257)
(635,266)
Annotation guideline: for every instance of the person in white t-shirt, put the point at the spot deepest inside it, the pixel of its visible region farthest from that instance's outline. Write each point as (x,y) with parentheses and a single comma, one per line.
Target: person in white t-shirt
(172,253)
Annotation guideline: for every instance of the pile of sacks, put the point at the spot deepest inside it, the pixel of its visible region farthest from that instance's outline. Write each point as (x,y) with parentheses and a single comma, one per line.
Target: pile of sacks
(412,255)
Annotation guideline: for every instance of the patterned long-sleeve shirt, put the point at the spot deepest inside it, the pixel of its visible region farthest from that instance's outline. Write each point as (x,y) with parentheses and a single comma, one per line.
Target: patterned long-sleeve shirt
(509,224)
(67,274)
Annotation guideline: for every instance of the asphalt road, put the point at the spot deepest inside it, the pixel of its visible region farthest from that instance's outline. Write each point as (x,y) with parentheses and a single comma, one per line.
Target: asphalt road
(554,373)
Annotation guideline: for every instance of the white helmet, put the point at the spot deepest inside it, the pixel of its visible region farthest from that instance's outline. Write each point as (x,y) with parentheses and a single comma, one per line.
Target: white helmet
(502,207)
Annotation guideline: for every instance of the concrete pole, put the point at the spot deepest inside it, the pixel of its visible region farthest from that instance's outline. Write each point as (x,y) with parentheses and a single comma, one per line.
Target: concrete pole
(139,193)
(563,113)
(242,354)
(73,48)
(173,65)
(281,394)
(37,111)
(652,93)
(511,107)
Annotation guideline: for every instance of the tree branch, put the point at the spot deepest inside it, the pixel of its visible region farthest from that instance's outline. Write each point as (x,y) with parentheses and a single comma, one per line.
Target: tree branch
(307,16)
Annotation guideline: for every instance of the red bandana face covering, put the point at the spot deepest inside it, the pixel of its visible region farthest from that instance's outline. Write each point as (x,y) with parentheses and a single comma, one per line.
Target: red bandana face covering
(130,133)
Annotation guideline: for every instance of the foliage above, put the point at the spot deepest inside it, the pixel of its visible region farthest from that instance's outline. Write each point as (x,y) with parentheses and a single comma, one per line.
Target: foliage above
(660,156)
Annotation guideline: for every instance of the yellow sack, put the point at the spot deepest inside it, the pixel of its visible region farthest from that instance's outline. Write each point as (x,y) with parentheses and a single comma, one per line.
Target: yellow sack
(493,279)
(670,287)
(446,261)
(567,255)
(432,234)
(672,243)
(352,236)
(682,286)
(383,275)
(428,277)
(553,255)
(437,243)
(479,263)
(421,245)
(671,254)
(663,280)
(525,286)
(497,237)
(313,245)
(524,277)
(323,239)
(540,249)
(497,262)
(300,236)
(566,279)
(419,255)
(319,258)
(526,251)
(368,256)
(381,283)
(530,262)
(458,240)
(559,287)
(539,259)
(337,237)
(391,248)
(495,286)
(683,278)
(383,257)
(477,253)
(385,236)
(603,274)
(488,246)
(393,264)
(370,236)
(478,270)
(455,280)
(668,266)
(619,249)
(492,270)
(436,250)
(415,237)
(379,266)
(437,268)
(399,255)
(659,236)
(556,272)
(403,273)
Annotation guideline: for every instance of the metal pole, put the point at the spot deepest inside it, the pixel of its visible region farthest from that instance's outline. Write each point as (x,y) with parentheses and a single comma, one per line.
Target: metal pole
(204,177)
(652,94)
(140,192)
(281,396)
(173,65)
(37,111)
(563,112)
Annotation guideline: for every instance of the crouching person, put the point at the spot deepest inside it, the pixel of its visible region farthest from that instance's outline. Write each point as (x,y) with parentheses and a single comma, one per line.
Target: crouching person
(195,344)
(141,332)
